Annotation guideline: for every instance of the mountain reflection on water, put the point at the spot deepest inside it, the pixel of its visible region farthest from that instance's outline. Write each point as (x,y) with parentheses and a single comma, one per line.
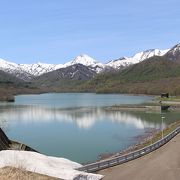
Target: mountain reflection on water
(84,118)
(77,126)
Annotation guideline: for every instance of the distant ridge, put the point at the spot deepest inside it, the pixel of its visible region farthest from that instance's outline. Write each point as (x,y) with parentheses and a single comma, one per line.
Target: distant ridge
(125,61)
(148,72)
(174,53)
(63,76)
(29,71)
(151,76)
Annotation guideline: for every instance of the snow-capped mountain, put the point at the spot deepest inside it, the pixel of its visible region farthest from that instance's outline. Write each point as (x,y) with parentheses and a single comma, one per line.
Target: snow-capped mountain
(82,59)
(29,71)
(39,68)
(126,61)
(73,72)
(174,53)
(14,69)
(86,61)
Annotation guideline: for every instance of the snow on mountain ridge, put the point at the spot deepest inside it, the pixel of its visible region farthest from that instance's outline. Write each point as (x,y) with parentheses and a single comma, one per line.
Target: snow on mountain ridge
(39,68)
(27,71)
(86,61)
(36,69)
(175,49)
(82,59)
(138,57)
(147,54)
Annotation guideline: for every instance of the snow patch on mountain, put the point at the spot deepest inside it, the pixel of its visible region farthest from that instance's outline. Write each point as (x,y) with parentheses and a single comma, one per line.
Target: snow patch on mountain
(86,61)
(147,54)
(27,71)
(14,69)
(7,65)
(82,59)
(126,61)
(175,49)
(39,68)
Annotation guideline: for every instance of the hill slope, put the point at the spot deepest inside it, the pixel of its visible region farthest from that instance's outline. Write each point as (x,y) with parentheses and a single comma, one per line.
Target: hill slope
(174,53)
(11,85)
(136,74)
(65,79)
(152,76)
(8,78)
(29,71)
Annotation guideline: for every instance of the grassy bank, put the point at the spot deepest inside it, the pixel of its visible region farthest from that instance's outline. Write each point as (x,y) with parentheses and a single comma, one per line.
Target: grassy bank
(9,173)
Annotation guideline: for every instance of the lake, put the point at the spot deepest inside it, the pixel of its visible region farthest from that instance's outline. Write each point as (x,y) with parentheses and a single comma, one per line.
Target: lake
(75,125)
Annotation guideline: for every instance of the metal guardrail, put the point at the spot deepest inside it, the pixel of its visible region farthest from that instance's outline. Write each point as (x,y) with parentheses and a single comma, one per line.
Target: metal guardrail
(93,167)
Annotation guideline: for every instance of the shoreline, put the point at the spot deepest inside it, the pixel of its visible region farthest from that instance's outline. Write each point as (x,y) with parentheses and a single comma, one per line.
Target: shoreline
(144,141)
(21,157)
(152,106)
(11,95)
(8,144)
(161,164)
(134,107)
(141,139)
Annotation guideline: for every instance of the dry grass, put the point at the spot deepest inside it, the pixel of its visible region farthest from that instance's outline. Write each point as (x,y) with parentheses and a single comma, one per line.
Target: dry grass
(11,173)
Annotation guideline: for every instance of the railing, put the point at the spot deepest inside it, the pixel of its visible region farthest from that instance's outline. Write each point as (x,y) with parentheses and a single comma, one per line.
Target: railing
(93,167)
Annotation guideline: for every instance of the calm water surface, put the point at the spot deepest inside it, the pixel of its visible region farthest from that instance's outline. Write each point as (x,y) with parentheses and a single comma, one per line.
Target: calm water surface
(76,126)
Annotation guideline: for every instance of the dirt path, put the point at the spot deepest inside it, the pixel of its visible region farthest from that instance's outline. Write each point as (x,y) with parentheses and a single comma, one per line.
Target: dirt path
(162,164)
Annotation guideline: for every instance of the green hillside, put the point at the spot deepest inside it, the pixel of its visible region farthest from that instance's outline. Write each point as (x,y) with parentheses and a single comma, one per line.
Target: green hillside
(152,76)
(11,85)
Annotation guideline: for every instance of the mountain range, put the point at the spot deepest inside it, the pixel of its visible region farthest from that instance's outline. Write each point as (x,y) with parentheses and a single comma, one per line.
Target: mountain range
(30,71)
(149,72)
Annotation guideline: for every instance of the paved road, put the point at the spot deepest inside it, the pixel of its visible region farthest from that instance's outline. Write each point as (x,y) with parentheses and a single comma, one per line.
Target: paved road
(162,164)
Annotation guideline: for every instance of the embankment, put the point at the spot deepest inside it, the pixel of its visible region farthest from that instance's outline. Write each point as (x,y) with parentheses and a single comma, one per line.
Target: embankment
(7,144)
(4,141)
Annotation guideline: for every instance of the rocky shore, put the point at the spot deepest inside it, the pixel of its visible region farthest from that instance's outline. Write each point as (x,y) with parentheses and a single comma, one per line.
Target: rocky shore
(7,144)
(150,136)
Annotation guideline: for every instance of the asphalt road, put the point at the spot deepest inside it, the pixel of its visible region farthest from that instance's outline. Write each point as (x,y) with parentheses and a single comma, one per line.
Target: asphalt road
(162,164)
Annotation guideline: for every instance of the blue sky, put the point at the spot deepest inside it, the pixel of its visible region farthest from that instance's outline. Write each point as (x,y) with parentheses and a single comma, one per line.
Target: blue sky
(56,31)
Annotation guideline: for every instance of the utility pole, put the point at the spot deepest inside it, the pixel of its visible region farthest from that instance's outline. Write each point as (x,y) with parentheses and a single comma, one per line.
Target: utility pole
(162,134)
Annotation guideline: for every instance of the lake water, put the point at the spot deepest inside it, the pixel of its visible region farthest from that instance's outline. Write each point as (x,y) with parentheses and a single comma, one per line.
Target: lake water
(76,126)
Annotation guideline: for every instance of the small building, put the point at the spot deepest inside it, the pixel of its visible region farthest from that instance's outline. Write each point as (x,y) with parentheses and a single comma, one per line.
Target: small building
(164,108)
(164,95)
